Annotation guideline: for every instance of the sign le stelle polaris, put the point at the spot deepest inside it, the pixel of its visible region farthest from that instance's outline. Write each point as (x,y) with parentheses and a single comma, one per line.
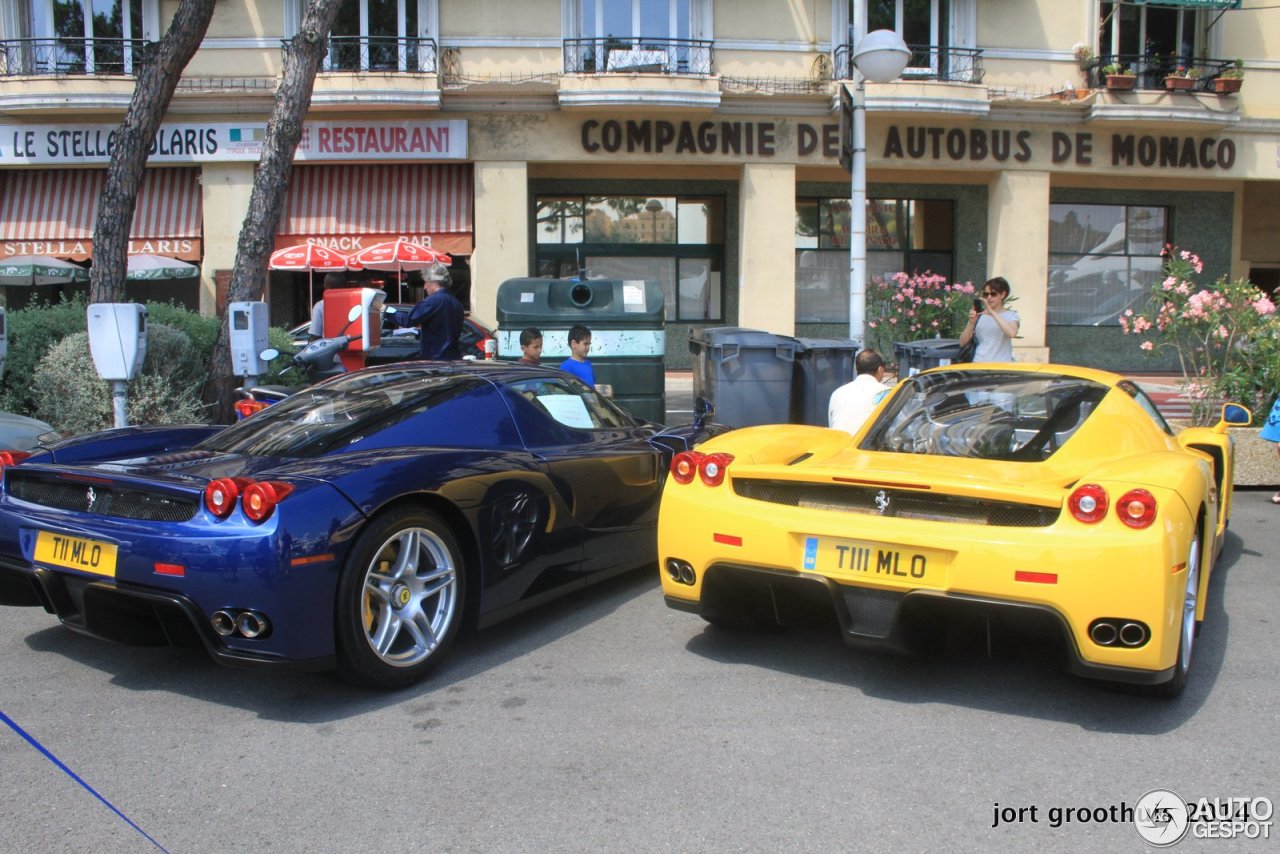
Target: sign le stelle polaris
(68,145)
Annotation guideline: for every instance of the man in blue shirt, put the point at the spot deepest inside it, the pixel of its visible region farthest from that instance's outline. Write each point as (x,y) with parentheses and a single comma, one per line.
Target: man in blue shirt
(438,317)
(579,347)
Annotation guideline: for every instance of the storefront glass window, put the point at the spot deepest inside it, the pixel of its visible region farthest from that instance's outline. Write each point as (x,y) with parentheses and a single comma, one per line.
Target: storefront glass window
(675,241)
(903,235)
(1103,259)
(559,220)
(630,219)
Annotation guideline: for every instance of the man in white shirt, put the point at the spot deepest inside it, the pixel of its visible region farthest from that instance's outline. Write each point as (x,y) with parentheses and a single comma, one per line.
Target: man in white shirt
(331,280)
(853,402)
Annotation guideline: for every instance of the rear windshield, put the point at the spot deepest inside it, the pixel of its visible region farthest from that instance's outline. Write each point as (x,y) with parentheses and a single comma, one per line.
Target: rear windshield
(362,409)
(984,415)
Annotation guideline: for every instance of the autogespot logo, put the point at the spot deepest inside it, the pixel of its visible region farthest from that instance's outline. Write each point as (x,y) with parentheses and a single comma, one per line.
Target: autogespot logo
(1161,818)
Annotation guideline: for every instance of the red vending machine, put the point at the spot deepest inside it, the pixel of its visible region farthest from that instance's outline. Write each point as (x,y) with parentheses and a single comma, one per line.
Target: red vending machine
(356,312)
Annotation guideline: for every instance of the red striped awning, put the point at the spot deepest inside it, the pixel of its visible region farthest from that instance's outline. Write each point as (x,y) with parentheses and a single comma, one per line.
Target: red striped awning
(405,199)
(62,204)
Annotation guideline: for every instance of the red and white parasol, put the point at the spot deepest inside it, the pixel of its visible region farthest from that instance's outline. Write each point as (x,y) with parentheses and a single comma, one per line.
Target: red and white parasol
(310,258)
(399,255)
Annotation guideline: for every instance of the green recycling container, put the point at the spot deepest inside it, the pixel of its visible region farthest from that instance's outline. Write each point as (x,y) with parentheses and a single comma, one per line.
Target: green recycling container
(628,332)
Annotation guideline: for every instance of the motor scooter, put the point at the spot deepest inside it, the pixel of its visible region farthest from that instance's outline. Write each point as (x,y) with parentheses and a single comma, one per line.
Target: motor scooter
(318,359)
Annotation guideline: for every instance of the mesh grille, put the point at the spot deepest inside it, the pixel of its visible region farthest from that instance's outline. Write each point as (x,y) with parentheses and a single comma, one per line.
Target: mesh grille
(902,504)
(108,499)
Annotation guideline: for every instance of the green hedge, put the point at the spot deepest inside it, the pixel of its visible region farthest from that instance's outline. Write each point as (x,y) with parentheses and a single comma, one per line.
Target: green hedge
(34,332)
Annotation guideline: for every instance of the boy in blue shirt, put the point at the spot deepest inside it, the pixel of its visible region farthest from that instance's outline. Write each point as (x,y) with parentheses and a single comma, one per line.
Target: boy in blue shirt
(579,347)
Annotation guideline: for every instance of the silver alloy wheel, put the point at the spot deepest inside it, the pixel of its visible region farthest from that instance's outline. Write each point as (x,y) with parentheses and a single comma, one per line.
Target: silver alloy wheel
(1190,597)
(410,597)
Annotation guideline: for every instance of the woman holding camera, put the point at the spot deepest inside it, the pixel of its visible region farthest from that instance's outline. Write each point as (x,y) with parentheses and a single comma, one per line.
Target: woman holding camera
(994,325)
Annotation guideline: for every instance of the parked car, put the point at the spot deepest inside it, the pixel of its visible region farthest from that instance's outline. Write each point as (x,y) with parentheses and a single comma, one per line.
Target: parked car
(356,524)
(20,433)
(400,344)
(1046,495)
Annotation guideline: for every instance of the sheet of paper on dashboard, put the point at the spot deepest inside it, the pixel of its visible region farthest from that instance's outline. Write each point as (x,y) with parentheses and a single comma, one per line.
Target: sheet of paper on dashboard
(568,409)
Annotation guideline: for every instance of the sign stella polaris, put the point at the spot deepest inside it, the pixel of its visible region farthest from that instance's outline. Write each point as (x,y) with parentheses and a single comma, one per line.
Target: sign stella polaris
(67,145)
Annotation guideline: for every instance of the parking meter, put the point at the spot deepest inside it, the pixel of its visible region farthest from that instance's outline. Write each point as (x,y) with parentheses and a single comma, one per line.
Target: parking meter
(118,343)
(248,338)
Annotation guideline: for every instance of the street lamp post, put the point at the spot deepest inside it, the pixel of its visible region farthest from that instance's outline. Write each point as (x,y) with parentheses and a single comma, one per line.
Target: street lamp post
(880,56)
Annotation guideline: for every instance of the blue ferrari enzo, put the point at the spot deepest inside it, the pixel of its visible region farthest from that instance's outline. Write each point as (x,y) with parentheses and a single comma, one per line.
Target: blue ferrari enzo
(356,525)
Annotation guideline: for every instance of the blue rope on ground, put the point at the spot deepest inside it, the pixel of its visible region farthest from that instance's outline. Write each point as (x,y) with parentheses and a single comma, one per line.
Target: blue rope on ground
(56,761)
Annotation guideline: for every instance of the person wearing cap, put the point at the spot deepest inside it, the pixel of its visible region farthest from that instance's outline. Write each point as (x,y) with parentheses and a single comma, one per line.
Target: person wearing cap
(438,317)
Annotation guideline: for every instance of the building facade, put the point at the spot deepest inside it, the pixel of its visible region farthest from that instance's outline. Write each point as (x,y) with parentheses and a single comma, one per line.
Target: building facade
(690,142)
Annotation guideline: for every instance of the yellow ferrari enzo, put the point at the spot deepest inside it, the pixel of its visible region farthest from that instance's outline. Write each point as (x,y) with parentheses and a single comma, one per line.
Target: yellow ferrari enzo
(1042,494)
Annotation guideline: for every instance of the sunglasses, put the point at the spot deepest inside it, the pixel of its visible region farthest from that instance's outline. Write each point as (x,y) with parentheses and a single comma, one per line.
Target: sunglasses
(991,293)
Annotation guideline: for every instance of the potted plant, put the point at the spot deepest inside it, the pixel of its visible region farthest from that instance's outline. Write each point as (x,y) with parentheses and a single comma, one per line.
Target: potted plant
(1229,81)
(1182,78)
(1118,77)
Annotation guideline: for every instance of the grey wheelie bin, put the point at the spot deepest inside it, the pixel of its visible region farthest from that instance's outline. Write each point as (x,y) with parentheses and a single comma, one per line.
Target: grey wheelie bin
(627,332)
(916,356)
(822,366)
(747,374)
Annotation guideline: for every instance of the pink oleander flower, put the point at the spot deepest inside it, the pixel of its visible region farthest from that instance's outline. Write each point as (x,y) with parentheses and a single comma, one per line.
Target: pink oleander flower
(1264,306)
(1146,345)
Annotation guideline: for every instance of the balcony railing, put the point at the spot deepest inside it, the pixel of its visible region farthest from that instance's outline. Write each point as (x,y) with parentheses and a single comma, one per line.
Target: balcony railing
(380,53)
(612,55)
(928,62)
(68,56)
(1151,71)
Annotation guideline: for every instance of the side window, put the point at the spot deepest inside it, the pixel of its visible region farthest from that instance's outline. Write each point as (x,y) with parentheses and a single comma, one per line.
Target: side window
(1147,404)
(570,404)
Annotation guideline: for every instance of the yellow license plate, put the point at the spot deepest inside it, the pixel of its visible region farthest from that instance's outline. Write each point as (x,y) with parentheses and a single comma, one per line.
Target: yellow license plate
(862,560)
(76,553)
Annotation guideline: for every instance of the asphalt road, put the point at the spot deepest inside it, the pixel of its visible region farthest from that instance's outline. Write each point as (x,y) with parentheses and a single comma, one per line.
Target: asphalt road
(607,722)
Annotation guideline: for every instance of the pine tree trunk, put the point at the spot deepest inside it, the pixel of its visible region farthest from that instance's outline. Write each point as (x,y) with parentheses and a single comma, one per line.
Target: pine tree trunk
(158,67)
(302,56)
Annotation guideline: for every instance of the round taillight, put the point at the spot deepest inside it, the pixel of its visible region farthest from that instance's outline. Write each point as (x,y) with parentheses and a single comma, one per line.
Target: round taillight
(1088,503)
(684,466)
(713,467)
(261,498)
(1137,508)
(220,496)
(245,408)
(12,458)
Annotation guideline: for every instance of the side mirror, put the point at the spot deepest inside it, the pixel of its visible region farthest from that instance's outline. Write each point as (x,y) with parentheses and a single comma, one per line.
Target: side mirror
(1234,413)
(268,354)
(703,410)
